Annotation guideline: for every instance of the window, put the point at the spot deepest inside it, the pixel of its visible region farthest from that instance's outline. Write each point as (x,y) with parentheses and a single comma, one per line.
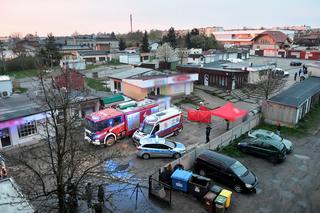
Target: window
(27,129)
(117,120)
(156,129)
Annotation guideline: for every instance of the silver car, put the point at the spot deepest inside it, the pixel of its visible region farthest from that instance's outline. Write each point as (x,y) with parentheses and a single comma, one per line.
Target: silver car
(266,134)
(159,147)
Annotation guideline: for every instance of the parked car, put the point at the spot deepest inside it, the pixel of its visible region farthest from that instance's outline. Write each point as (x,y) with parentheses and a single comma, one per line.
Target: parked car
(159,147)
(266,134)
(266,148)
(280,72)
(295,63)
(226,170)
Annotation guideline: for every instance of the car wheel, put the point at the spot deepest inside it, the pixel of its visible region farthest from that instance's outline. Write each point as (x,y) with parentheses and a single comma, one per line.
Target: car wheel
(237,188)
(145,156)
(243,150)
(176,133)
(177,155)
(110,141)
(273,159)
(202,173)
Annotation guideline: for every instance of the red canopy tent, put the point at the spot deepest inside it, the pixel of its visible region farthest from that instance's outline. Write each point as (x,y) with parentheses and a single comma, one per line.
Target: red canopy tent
(203,116)
(229,112)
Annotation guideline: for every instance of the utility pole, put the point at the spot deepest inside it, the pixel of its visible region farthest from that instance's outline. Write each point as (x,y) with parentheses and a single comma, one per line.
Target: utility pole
(131,22)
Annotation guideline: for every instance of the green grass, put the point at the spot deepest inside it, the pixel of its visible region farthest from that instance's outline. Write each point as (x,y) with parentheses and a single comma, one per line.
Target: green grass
(311,121)
(22,73)
(20,90)
(232,149)
(285,131)
(95,84)
(185,100)
(92,66)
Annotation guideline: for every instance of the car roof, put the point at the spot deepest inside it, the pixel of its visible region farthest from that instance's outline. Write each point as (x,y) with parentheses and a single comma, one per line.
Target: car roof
(272,142)
(263,131)
(144,141)
(212,156)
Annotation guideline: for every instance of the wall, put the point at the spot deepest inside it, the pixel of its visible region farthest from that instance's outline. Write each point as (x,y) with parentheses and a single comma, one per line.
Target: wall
(221,141)
(133,91)
(129,59)
(6,86)
(274,112)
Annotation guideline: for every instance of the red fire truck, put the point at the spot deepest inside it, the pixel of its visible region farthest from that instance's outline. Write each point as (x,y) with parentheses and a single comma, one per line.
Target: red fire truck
(106,126)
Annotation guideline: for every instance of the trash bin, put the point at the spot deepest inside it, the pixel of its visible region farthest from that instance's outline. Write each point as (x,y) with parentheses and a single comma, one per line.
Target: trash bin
(220,203)
(199,186)
(215,189)
(180,180)
(227,194)
(209,201)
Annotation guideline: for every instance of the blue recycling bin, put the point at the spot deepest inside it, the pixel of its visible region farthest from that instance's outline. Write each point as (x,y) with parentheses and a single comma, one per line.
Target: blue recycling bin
(180,180)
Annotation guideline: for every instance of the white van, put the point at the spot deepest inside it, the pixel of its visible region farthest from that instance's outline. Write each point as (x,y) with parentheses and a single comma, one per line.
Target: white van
(161,124)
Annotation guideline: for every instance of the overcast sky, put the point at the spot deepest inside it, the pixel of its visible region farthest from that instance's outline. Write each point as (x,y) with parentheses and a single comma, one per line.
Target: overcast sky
(63,17)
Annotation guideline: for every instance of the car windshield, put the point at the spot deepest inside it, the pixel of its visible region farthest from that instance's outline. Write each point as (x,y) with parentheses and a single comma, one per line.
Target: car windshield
(171,144)
(146,128)
(276,137)
(95,126)
(239,169)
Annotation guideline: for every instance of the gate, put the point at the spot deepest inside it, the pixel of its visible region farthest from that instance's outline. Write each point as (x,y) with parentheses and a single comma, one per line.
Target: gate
(159,190)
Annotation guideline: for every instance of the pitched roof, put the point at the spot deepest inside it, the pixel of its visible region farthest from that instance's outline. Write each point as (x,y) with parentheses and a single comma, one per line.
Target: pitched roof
(298,93)
(278,36)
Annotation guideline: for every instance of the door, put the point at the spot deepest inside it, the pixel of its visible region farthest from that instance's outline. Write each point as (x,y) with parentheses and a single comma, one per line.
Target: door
(206,80)
(5,137)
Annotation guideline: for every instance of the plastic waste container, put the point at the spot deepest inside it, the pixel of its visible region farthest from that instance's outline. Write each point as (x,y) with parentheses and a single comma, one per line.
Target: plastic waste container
(209,201)
(180,180)
(199,186)
(220,203)
(215,189)
(227,194)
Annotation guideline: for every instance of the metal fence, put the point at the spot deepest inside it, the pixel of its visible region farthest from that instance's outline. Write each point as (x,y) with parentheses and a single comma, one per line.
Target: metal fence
(221,141)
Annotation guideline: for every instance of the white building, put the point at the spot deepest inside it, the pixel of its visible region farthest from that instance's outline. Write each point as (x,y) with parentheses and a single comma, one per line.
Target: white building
(130,58)
(6,87)
(76,64)
(22,120)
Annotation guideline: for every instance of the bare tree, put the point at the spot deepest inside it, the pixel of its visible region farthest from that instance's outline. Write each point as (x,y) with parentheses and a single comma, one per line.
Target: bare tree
(3,69)
(166,53)
(64,162)
(182,53)
(270,83)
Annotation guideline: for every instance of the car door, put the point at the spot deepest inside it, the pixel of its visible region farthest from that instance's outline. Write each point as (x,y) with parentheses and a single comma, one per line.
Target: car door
(166,151)
(255,147)
(154,150)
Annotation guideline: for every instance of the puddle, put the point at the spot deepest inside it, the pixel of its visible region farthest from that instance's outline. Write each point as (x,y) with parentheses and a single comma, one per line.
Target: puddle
(124,191)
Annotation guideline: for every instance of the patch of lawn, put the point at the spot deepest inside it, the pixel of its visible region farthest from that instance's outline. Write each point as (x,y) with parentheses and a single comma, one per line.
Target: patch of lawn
(285,131)
(185,100)
(95,84)
(92,66)
(232,149)
(20,90)
(22,73)
(311,121)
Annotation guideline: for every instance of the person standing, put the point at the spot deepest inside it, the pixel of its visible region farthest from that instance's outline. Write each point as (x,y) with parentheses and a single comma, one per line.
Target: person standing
(208,130)
(295,76)
(278,128)
(89,195)
(228,124)
(101,194)
(300,72)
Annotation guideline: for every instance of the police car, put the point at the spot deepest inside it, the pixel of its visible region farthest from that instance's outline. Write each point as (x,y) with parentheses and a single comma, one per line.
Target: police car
(159,147)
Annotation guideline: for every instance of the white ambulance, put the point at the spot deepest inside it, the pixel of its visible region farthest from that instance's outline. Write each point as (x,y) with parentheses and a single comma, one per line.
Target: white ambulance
(161,124)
